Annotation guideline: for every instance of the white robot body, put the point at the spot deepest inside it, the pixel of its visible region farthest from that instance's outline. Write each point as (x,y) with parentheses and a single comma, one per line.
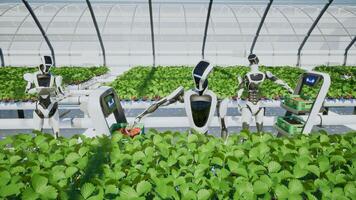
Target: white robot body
(47,87)
(200,109)
(200,103)
(251,81)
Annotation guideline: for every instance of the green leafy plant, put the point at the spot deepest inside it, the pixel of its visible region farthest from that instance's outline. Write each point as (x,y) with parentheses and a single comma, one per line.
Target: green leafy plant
(154,83)
(178,166)
(13,85)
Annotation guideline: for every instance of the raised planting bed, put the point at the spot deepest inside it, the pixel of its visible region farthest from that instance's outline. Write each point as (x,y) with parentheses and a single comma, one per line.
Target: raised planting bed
(12,87)
(153,83)
(178,166)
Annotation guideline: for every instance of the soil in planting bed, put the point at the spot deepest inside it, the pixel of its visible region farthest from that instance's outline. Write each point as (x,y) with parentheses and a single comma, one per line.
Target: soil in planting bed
(293,121)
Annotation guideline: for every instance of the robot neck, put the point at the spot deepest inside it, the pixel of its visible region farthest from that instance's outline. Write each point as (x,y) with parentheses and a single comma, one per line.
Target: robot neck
(254,68)
(201,92)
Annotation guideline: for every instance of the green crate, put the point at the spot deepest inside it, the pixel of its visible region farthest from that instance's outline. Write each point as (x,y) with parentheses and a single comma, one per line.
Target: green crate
(285,124)
(117,126)
(301,104)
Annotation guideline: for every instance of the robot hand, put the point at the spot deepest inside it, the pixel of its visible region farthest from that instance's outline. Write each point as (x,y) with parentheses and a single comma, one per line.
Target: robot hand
(290,90)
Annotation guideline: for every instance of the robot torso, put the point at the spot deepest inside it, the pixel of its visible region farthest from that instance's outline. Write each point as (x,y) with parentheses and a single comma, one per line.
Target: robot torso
(252,83)
(200,109)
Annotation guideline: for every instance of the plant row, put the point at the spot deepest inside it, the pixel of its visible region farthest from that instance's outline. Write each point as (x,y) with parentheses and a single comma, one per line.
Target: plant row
(154,83)
(13,85)
(178,166)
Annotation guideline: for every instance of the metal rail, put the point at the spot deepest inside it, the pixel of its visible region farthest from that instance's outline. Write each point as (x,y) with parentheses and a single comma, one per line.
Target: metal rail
(260,26)
(326,6)
(347,49)
(34,17)
(68,104)
(2,58)
(206,29)
(152,33)
(97,31)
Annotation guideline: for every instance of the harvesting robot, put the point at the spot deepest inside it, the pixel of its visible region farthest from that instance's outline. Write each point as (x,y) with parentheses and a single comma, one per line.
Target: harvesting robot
(48,89)
(200,102)
(251,82)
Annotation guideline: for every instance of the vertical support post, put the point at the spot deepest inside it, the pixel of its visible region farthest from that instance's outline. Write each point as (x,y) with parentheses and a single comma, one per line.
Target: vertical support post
(21,114)
(152,33)
(347,50)
(2,58)
(97,31)
(326,6)
(260,26)
(34,17)
(206,29)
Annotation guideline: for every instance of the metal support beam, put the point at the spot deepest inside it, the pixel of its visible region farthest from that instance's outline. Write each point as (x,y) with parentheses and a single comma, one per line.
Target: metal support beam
(41,29)
(2,58)
(97,31)
(347,49)
(326,6)
(206,29)
(152,33)
(260,26)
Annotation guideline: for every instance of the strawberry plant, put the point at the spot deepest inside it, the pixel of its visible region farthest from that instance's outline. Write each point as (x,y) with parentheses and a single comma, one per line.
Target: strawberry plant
(178,166)
(152,83)
(13,85)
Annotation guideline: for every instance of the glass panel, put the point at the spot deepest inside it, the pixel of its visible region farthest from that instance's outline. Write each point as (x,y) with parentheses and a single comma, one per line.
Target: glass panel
(179,28)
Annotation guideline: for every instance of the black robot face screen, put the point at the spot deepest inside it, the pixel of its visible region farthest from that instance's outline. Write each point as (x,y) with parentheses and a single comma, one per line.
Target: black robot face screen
(200,68)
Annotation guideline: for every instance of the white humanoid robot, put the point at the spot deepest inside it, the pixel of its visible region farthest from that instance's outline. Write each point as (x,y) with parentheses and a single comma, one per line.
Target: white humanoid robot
(200,102)
(251,82)
(48,89)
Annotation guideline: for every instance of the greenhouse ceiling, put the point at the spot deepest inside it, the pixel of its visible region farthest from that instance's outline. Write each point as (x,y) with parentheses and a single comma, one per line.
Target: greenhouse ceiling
(177,32)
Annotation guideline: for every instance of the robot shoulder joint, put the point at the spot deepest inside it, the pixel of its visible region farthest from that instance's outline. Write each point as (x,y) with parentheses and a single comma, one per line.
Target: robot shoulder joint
(269,74)
(28,77)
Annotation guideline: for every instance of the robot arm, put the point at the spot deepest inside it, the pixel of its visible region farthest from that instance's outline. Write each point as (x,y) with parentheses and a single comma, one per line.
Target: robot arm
(223,105)
(175,96)
(273,78)
(29,78)
(240,87)
(59,89)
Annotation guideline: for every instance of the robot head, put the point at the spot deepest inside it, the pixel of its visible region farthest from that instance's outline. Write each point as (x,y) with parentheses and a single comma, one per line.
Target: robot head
(46,64)
(200,75)
(253,59)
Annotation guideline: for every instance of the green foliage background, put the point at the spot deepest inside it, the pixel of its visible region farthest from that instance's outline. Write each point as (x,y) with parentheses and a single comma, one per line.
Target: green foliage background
(178,166)
(152,83)
(13,85)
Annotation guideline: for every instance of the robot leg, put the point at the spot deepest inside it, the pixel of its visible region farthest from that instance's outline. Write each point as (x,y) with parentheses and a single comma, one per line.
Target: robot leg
(222,111)
(259,119)
(246,118)
(38,122)
(54,123)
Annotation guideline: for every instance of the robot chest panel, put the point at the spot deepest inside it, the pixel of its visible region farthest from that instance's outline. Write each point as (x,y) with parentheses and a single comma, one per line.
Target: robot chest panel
(200,109)
(44,80)
(253,86)
(255,78)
